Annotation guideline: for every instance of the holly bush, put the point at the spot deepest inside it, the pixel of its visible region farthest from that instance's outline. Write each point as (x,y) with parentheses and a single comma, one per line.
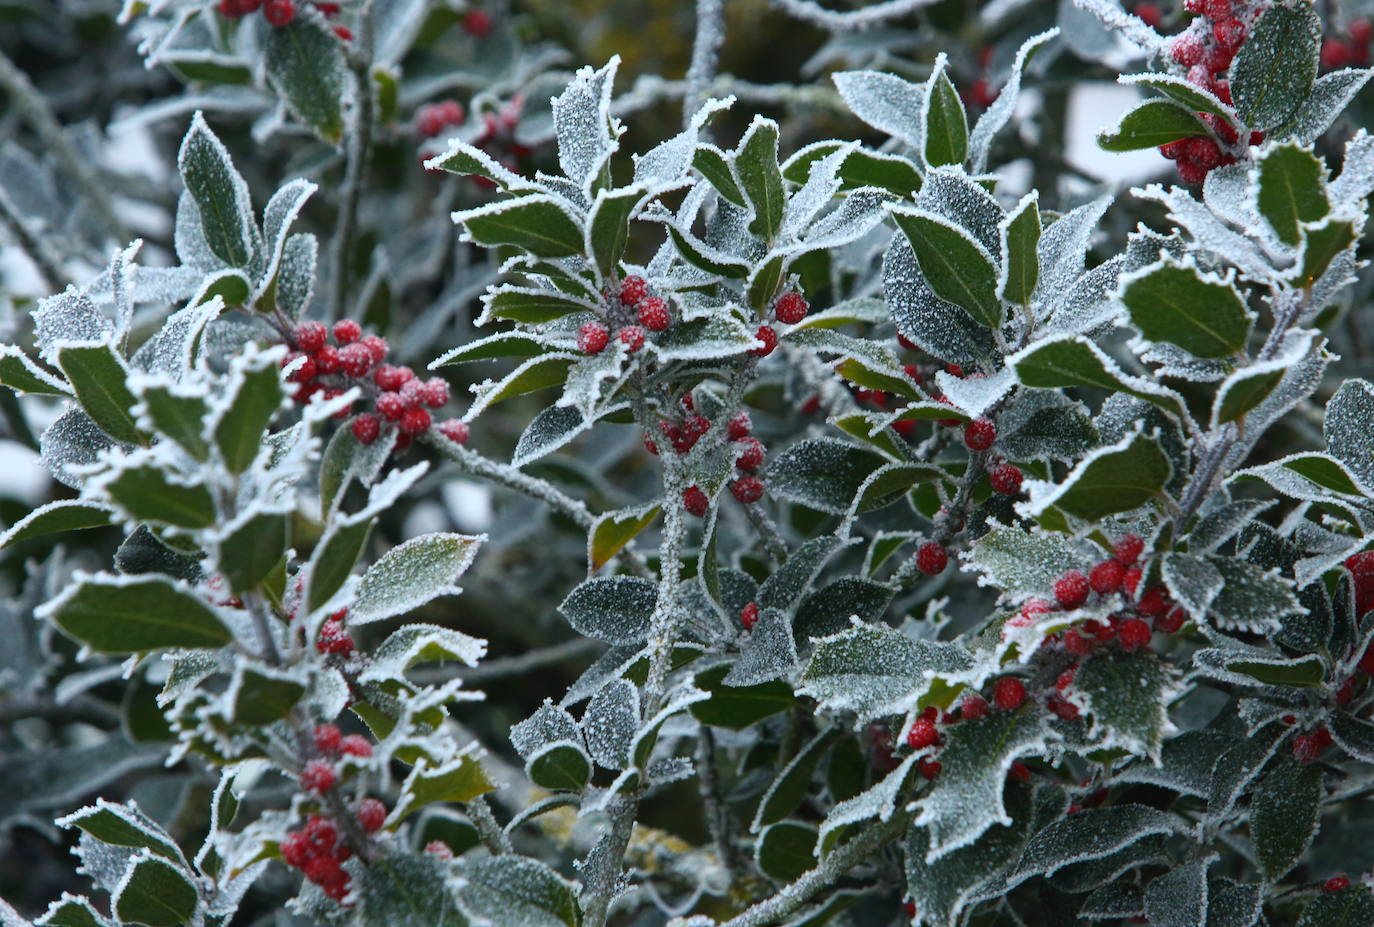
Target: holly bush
(868,513)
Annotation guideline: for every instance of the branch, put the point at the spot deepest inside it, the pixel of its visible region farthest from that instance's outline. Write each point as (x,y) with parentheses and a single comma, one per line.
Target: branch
(705,55)
(35,247)
(842,21)
(359,147)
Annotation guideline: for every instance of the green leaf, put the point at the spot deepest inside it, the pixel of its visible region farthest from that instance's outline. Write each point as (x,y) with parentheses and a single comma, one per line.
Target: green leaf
(608,226)
(946,126)
(399,888)
(220,194)
(123,826)
(792,784)
(539,224)
(739,707)
(1320,245)
(1022,562)
(786,850)
(262,695)
(1114,479)
(958,269)
(178,415)
(155,893)
(333,559)
(863,167)
(149,494)
(24,376)
(513,889)
(560,766)
(461,779)
(256,395)
(133,614)
(250,548)
(1349,907)
(466,160)
(1243,390)
(415,643)
(875,670)
(712,163)
(71,911)
(1274,70)
(1125,695)
(522,304)
(1150,125)
(1181,91)
(532,375)
(98,375)
(305,64)
(822,473)
(756,165)
(1073,360)
(1284,815)
(411,574)
(1291,191)
(615,609)
(1020,234)
(63,515)
(764,280)
(502,344)
(613,530)
(345,459)
(1181,305)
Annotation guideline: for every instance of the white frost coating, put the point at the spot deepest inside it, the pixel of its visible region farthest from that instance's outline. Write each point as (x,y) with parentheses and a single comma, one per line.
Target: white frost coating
(886,102)
(422,643)
(1295,348)
(1022,563)
(1210,232)
(1347,429)
(769,653)
(1063,247)
(1231,191)
(69,317)
(413,573)
(1000,112)
(547,725)
(71,445)
(1329,97)
(839,21)
(172,351)
(611,723)
(583,388)
(667,162)
(243,203)
(1130,27)
(502,175)
(1045,494)
(583,126)
(489,391)
(936,71)
(879,801)
(975,395)
(820,188)
(953,194)
(281,210)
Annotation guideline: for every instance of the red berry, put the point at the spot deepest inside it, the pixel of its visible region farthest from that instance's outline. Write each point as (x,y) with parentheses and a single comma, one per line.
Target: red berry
(477,23)
(376,346)
(632,336)
(747,489)
(954,370)
(1204,152)
(343,32)
(326,738)
(1306,748)
(909,908)
(1133,634)
(922,734)
(1020,772)
(1186,48)
(749,615)
(415,421)
(355,359)
(318,776)
(979,434)
(439,848)
(1065,679)
(1216,9)
(388,377)
(1128,549)
(1154,602)
(931,558)
(456,430)
(769,336)
(972,707)
(356,745)
(1149,14)
(1071,589)
(1174,150)
(1188,172)
(334,639)
(1078,643)
(695,501)
(413,394)
(1106,577)
(1009,693)
(928,768)
(633,290)
(327,360)
(279,12)
(296,849)
(906,427)
(371,815)
(1229,32)
(430,121)
(391,406)
(1171,620)
(650,446)
(1006,479)
(1131,580)
(653,314)
(1335,884)
(751,455)
(790,308)
(906,342)
(810,406)
(1033,607)
(434,392)
(592,338)
(305,371)
(1063,708)
(739,427)
(1360,30)
(367,427)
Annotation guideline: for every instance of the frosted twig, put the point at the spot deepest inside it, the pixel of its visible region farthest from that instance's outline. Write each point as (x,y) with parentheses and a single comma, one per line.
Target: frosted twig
(359,148)
(503,667)
(705,53)
(601,869)
(768,531)
(34,246)
(708,783)
(31,105)
(496,840)
(844,20)
(663,622)
(1131,28)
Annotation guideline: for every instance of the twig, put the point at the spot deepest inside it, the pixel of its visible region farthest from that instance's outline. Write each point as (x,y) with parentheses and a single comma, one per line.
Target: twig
(601,869)
(841,21)
(768,532)
(504,667)
(663,622)
(359,147)
(33,246)
(708,782)
(84,709)
(705,54)
(31,105)
(497,841)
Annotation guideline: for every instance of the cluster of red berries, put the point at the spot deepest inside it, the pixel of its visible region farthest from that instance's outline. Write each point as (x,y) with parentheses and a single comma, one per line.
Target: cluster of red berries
(980,92)
(332,742)
(334,639)
(1361,567)
(1008,694)
(401,399)
(1353,50)
(281,13)
(632,310)
(433,118)
(749,455)
(1206,50)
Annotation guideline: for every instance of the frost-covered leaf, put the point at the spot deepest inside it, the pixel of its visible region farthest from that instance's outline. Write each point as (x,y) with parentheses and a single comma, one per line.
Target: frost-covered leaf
(250,547)
(124,825)
(549,724)
(1179,897)
(1151,124)
(251,400)
(560,766)
(459,780)
(155,893)
(787,792)
(756,165)
(1250,598)
(132,614)
(1284,816)
(885,101)
(768,654)
(99,377)
(1000,112)
(1112,479)
(261,695)
(63,515)
(786,850)
(1073,360)
(408,890)
(220,194)
(1045,423)
(1022,563)
(875,671)
(822,473)
(305,65)
(540,224)
(957,268)
(611,723)
(613,530)
(411,574)
(945,127)
(1020,264)
(1125,695)
(583,126)
(417,643)
(24,376)
(615,609)
(1062,252)
(146,492)
(517,890)
(1291,190)
(828,610)
(1346,428)
(938,327)
(1196,98)
(785,588)
(1349,907)
(1330,95)
(1179,304)
(1275,68)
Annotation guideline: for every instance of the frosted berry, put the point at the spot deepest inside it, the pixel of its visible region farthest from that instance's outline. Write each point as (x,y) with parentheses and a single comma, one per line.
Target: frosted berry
(434,392)
(1360,30)
(477,23)
(1171,620)
(928,768)
(1009,693)
(650,446)
(1188,172)
(1065,679)
(751,455)
(415,421)
(979,434)
(747,489)
(296,849)
(391,406)
(326,737)
(327,360)
(1306,748)
(1129,549)
(739,427)
(305,371)
(311,336)
(973,706)
(334,639)
(355,359)
(279,12)
(413,394)
(1071,589)
(1174,150)
(376,346)
(1020,772)
(653,314)
(749,615)
(371,815)
(922,734)
(592,338)
(456,430)
(356,745)
(769,336)
(790,309)
(633,290)
(1006,480)
(909,908)
(1078,643)
(1106,577)
(440,849)
(1149,13)
(367,427)
(318,776)
(1229,33)
(1154,601)
(931,558)
(1133,634)
(632,336)
(389,378)
(1063,708)
(1204,152)
(1186,49)
(695,501)
(1335,884)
